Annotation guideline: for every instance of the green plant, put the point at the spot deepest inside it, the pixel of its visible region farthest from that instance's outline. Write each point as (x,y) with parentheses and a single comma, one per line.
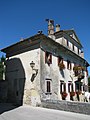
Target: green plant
(78,92)
(72,93)
(2,67)
(77,68)
(61,66)
(64,94)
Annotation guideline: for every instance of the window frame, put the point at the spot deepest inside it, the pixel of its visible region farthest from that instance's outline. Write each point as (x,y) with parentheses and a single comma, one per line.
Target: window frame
(69,65)
(48,86)
(60,60)
(48,57)
(62,86)
(73,47)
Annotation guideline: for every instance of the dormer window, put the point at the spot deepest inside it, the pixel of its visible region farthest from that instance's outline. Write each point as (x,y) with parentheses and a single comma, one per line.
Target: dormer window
(73,47)
(67,43)
(78,51)
(48,58)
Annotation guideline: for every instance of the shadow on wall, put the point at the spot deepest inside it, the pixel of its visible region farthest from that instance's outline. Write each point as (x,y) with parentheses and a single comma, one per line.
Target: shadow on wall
(15,76)
(62,73)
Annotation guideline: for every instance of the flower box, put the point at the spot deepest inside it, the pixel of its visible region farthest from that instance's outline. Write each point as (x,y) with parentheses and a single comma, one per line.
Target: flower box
(64,94)
(72,93)
(78,68)
(78,92)
(61,66)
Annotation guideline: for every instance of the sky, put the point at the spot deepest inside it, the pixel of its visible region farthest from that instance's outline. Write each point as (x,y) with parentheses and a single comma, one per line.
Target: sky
(23,18)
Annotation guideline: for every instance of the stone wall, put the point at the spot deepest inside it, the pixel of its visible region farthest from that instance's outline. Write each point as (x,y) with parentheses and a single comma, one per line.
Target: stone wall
(21,90)
(77,107)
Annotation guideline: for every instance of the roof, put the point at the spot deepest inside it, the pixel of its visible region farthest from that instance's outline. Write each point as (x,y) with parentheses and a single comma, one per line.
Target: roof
(28,42)
(24,41)
(69,33)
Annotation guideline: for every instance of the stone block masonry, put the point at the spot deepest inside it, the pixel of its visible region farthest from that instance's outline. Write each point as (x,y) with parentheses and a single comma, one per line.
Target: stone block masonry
(77,107)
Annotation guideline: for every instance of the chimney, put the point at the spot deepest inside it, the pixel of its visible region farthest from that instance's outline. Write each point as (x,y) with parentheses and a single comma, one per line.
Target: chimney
(40,32)
(57,27)
(21,39)
(50,28)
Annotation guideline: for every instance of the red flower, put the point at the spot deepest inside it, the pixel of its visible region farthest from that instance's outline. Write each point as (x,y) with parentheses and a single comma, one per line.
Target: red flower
(72,93)
(64,94)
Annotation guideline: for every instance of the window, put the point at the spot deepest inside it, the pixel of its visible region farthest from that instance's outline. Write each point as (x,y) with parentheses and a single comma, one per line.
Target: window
(48,86)
(73,47)
(78,85)
(76,70)
(48,58)
(70,87)
(60,60)
(78,51)
(62,87)
(69,66)
(67,43)
(60,63)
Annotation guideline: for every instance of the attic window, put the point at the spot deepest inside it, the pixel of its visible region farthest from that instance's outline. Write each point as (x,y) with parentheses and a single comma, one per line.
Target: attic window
(73,47)
(48,58)
(67,43)
(78,51)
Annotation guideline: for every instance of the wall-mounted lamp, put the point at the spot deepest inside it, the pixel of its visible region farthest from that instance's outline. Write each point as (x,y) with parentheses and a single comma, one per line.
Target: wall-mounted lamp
(35,71)
(32,64)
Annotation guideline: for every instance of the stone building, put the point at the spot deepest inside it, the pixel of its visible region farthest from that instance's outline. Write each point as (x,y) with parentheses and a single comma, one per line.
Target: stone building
(46,67)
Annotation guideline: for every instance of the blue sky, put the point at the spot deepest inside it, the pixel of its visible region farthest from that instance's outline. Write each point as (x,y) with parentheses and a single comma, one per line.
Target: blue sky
(23,18)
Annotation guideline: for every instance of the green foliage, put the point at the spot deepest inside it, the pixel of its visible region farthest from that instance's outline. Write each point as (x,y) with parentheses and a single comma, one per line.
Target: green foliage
(2,67)
(89,83)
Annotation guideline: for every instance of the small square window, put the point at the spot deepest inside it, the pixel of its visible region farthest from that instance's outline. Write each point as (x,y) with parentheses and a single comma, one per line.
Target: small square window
(48,58)
(73,47)
(67,43)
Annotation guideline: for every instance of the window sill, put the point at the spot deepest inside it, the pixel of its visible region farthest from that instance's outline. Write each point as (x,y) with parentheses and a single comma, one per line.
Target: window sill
(48,93)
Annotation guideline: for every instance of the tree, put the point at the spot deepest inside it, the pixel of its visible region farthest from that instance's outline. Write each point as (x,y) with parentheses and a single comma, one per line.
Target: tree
(2,67)
(89,83)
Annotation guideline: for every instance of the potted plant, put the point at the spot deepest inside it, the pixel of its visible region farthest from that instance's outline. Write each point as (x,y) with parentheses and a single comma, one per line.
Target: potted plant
(64,94)
(72,93)
(78,92)
(78,68)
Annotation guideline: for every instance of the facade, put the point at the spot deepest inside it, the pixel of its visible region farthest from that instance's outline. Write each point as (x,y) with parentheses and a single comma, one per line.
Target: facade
(46,67)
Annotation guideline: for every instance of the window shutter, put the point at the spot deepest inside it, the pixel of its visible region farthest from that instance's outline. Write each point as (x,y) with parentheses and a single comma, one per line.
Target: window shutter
(50,58)
(65,87)
(48,86)
(70,66)
(45,57)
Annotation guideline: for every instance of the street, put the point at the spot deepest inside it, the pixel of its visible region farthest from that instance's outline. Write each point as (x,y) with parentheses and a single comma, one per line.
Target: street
(36,113)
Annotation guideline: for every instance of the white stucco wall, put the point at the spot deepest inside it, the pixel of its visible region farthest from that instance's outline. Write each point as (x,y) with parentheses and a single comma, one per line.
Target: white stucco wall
(26,58)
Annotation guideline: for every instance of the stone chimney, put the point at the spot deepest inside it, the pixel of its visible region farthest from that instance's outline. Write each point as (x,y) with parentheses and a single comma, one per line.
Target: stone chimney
(57,27)
(50,28)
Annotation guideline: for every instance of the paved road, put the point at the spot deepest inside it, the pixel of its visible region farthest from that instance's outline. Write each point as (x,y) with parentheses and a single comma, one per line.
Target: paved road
(32,113)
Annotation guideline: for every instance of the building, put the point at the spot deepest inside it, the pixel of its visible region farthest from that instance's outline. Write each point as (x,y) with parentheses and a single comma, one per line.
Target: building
(46,67)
